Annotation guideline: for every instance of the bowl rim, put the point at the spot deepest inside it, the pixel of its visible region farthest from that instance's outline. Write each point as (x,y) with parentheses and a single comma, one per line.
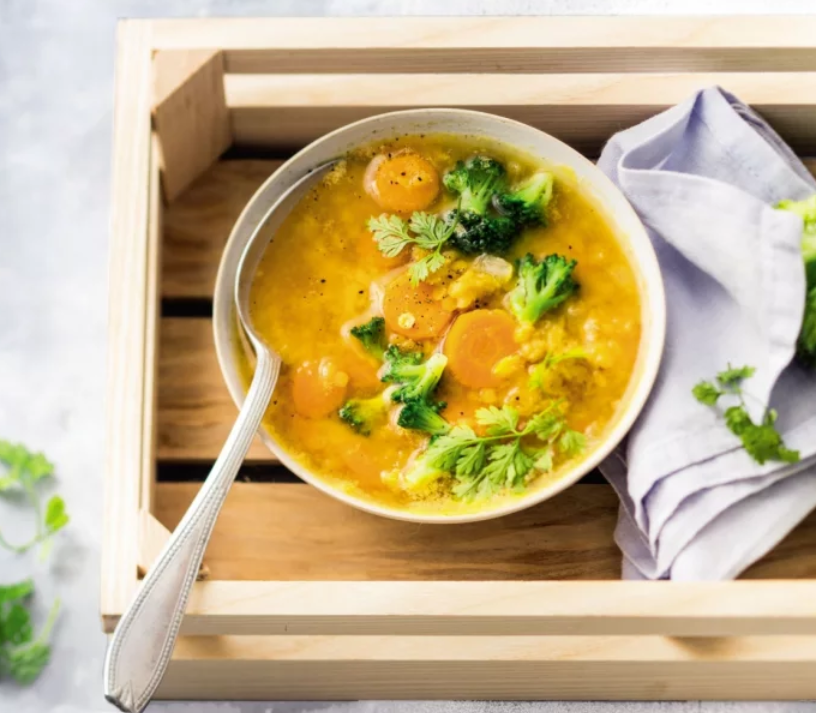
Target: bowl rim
(641,255)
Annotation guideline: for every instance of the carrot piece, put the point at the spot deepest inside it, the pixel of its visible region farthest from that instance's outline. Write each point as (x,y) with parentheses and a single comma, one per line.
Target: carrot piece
(476,342)
(318,388)
(361,368)
(370,254)
(412,311)
(402,182)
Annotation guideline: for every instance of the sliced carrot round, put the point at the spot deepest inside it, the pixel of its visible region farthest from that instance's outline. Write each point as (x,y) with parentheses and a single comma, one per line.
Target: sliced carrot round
(319,388)
(370,254)
(412,310)
(476,342)
(402,182)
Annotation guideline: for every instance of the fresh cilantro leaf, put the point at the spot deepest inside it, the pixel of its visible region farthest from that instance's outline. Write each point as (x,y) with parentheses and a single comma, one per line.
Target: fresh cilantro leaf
(734,376)
(38,467)
(16,592)
(25,470)
(422,268)
(391,234)
(27,663)
(544,461)
(737,420)
(55,516)
(500,466)
(431,232)
(522,464)
(424,230)
(483,465)
(761,441)
(571,442)
(15,625)
(706,393)
(499,421)
(471,459)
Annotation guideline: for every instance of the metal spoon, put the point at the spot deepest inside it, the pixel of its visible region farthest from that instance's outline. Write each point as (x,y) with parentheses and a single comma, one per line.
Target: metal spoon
(141,646)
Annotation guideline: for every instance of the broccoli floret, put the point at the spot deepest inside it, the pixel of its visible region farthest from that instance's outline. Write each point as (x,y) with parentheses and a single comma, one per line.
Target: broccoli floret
(364,414)
(419,415)
(419,474)
(476,182)
(417,379)
(477,234)
(527,204)
(371,336)
(541,286)
(806,209)
(806,347)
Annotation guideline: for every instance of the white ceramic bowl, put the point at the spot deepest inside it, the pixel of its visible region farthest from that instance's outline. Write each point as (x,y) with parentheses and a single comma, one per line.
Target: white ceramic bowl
(617,211)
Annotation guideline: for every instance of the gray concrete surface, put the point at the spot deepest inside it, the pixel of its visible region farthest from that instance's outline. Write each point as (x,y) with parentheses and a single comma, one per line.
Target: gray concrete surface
(56,79)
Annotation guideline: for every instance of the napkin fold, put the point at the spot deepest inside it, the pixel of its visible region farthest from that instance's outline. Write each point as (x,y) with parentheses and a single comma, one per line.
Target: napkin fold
(703,176)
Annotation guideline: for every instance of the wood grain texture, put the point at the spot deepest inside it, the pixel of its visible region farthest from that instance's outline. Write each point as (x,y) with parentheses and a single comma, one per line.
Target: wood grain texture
(129,277)
(286,111)
(502,608)
(189,114)
(313,537)
(280,531)
(198,223)
(496,667)
(155,239)
(195,410)
(153,537)
(482,44)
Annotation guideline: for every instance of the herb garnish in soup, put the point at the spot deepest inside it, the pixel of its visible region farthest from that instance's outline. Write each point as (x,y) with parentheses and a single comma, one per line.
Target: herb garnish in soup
(457,324)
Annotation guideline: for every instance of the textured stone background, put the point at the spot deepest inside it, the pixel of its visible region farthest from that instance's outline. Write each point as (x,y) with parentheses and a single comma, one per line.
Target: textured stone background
(56,80)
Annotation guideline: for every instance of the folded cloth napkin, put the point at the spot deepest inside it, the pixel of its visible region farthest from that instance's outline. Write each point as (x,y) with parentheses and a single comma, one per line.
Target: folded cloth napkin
(703,177)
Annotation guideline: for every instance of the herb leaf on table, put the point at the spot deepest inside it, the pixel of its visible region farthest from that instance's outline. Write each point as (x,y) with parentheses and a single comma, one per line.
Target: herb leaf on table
(24,471)
(760,440)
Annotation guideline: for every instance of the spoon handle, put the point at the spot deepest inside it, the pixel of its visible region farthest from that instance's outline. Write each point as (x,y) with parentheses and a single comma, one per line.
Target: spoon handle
(141,646)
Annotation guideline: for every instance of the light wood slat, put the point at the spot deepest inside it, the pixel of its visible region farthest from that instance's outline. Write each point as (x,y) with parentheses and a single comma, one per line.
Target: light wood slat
(198,223)
(315,537)
(189,114)
(496,667)
(128,339)
(499,648)
(524,90)
(328,680)
(280,531)
(195,409)
(583,110)
(495,608)
(521,44)
(155,238)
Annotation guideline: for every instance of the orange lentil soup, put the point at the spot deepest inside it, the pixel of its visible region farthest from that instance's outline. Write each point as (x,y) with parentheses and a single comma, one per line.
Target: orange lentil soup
(459,273)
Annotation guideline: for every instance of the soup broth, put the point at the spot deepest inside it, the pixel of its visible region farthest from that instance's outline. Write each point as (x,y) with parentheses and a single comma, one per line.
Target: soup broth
(326,272)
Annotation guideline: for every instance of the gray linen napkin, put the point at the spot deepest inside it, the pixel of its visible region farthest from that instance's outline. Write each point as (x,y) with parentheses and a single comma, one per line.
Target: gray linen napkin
(703,176)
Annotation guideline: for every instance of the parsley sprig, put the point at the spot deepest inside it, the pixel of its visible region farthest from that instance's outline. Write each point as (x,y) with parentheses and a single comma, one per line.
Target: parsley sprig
(424,230)
(24,471)
(22,657)
(484,465)
(761,440)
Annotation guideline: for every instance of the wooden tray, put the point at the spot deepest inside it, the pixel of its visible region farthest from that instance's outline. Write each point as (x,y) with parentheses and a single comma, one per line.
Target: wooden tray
(303,597)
